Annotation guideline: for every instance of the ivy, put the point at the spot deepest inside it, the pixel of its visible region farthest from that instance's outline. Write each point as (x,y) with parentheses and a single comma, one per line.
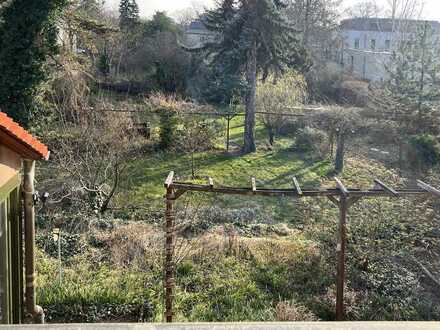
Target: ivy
(28,37)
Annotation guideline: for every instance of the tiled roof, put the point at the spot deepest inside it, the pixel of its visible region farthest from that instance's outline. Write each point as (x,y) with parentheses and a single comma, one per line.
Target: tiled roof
(22,141)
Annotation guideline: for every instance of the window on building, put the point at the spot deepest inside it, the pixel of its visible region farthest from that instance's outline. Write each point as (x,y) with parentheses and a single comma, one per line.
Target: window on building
(387,44)
(356,43)
(373,44)
(352,62)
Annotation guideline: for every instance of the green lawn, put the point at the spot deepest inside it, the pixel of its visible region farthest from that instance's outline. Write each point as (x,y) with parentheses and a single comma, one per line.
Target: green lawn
(272,167)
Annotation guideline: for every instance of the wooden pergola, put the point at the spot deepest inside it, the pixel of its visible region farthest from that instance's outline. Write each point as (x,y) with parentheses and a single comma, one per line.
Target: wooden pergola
(342,196)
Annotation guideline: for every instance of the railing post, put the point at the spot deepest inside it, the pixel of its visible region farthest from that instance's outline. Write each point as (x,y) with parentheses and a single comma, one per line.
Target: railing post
(169,254)
(343,208)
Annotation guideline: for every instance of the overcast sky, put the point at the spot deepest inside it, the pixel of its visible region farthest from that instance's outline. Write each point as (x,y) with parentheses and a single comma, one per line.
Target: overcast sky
(148,7)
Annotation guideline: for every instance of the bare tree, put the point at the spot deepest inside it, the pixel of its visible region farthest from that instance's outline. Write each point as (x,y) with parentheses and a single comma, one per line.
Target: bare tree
(89,161)
(278,96)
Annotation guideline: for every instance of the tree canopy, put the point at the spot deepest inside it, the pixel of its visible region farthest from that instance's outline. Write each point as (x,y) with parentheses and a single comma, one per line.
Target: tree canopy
(128,14)
(254,38)
(28,36)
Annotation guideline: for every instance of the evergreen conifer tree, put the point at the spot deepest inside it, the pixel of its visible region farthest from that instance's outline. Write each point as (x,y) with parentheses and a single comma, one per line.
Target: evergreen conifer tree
(414,82)
(254,37)
(128,14)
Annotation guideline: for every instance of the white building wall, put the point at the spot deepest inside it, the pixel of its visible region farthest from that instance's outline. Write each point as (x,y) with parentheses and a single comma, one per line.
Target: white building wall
(361,59)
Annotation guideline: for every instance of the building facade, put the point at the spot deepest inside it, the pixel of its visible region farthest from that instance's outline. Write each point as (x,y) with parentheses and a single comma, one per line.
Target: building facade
(197,35)
(367,44)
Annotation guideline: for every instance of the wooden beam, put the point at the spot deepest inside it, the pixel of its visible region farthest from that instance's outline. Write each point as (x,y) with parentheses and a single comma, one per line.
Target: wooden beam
(297,186)
(333,200)
(341,187)
(178,194)
(387,188)
(353,200)
(428,188)
(254,185)
(291,192)
(169,180)
(340,274)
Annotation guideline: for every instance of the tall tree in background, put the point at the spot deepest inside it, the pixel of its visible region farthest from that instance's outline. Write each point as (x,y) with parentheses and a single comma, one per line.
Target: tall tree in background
(28,36)
(414,83)
(128,14)
(317,20)
(254,38)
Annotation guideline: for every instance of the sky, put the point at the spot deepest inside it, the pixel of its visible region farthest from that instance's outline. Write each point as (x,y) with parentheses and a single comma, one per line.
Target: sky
(148,7)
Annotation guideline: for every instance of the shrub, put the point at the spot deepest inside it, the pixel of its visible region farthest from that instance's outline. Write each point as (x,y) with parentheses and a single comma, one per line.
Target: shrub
(71,244)
(424,150)
(312,140)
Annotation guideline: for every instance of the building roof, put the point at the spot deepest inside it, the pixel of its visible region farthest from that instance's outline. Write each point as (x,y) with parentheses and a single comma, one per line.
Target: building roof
(382,24)
(21,141)
(197,25)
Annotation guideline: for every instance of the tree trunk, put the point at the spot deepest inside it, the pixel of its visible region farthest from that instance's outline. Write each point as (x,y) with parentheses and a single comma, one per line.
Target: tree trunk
(251,78)
(422,81)
(271,135)
(340,150)
(307,23)
(193,172)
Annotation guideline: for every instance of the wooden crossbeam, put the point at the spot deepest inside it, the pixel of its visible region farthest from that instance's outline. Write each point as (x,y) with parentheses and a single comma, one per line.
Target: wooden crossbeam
(387,188)
(291,192)
(169,180)
(341,196)
(297,186)
(428,188)
(333,200)
(341,187)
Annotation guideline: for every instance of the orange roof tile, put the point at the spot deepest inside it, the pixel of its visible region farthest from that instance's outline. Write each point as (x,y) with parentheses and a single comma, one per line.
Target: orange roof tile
(22,141)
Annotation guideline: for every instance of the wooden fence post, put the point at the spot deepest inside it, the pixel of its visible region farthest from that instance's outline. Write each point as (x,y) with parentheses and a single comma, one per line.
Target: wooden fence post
(228,118)
(343,208)
(169,254)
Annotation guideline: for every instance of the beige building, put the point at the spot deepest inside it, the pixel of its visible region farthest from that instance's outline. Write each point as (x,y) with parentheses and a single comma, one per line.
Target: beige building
(18,153)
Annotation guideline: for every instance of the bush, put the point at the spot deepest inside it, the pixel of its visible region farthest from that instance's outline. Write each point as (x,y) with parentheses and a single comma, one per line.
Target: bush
(168,124)
(277,96)
(312,140)
(71,245)
(424,150)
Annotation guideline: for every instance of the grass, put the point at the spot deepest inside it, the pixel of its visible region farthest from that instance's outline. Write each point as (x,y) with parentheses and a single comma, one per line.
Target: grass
(272,167)
(265,271)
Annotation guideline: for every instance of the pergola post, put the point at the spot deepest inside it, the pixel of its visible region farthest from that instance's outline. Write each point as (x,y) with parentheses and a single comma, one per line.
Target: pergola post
(169,254)
(169,266)
(341,247)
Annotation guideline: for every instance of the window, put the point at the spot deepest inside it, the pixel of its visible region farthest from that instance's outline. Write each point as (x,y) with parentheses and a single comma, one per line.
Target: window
(352,62)
(373,44)
(387,44)
(356,43)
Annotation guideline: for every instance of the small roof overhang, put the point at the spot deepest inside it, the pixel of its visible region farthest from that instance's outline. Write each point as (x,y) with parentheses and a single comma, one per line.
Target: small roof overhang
(16,138)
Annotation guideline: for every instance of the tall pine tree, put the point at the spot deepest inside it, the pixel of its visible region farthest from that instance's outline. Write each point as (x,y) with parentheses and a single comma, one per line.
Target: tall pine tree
(254,38)
(128,14)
